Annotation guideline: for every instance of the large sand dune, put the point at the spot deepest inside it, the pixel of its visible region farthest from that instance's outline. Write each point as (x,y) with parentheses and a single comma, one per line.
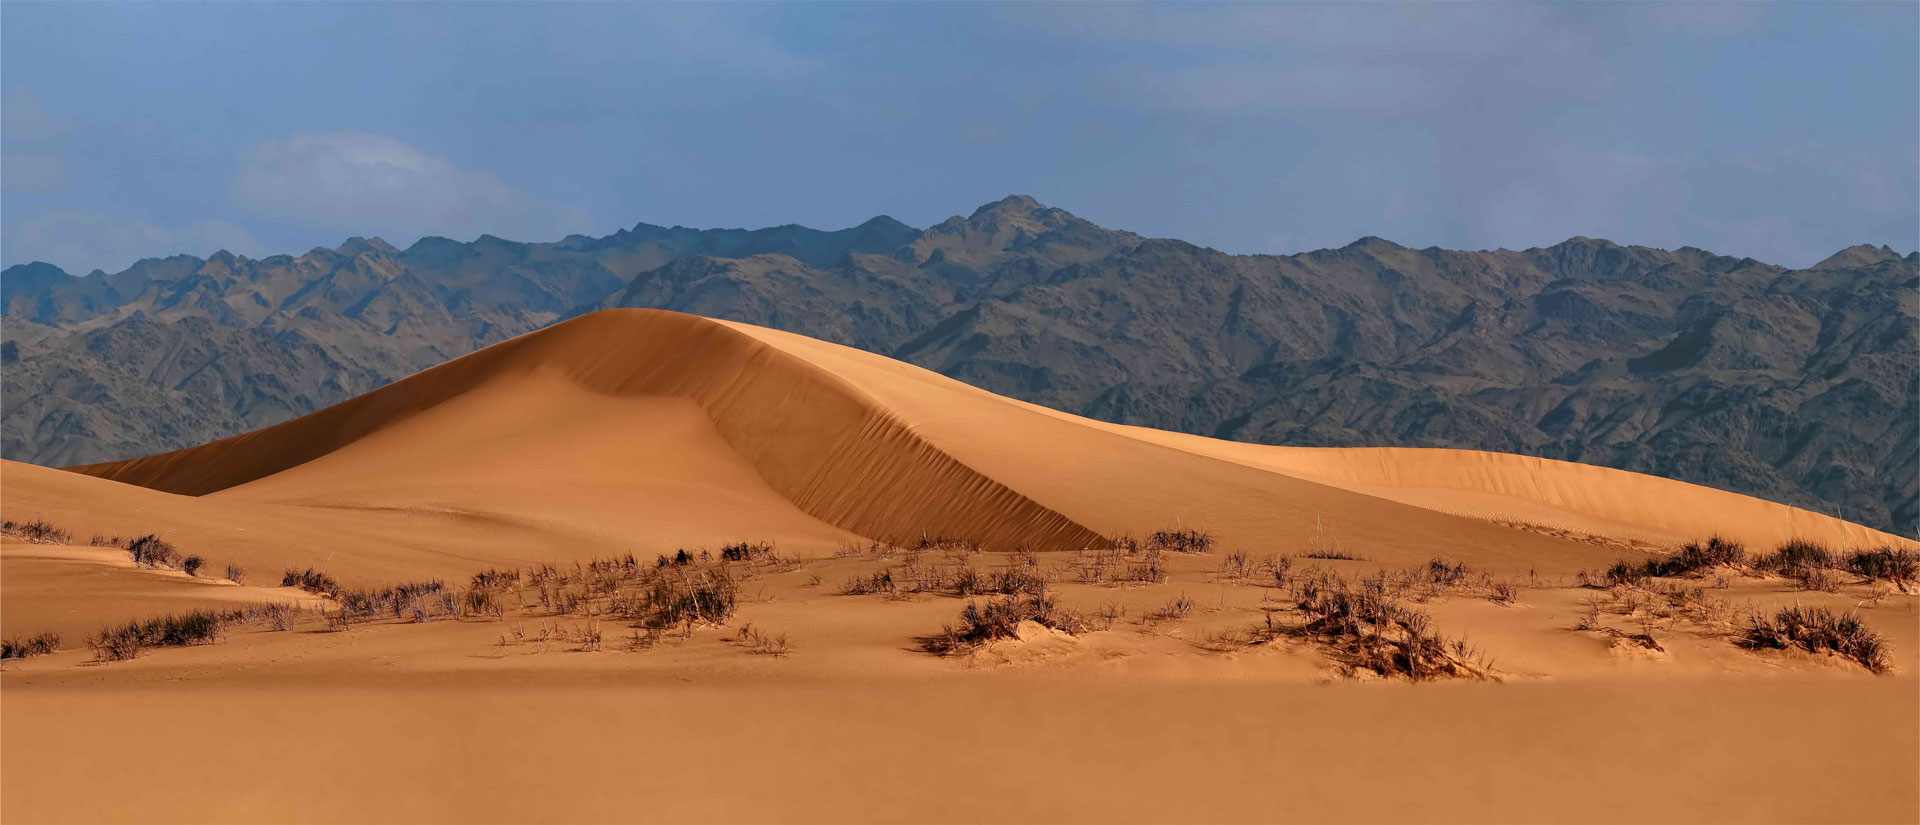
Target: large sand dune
(644,431)
(653,428)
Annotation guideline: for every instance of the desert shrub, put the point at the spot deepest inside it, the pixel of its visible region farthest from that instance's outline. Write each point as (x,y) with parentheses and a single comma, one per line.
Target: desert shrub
(1181,540)
(236,573)
(680,599)
(1179,608)
(1889,564)
(311,580)
(761,642)
(1814,578)
(982,622)
(37,531)
(482,601)
(279,616)
(1626,573)
(502,579)
(36,645)
(1330,555)
(1694,557)
(744,551)
(1282,569)
(1367,629)
(191,565)
(1502,592)
(401,600)
(1816,630)
(1236,565)
(1149,568)
(1016,580)
(151,551)
(1442,573)
(126,641)
(1794,557)
(878,582)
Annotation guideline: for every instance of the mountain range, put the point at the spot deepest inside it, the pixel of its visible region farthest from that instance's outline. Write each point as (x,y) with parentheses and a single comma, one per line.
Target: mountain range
(1796,385)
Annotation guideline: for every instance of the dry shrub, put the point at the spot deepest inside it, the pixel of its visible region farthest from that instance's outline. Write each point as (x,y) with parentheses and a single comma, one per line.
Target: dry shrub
(760,642)
(36,645)
(1816,630)
(312,581)
(878,582)
(1236,566)
(983,622)
(191,628)
(36,531)
(1367,629)
(1503,593)
(1442,573)
(151,551)
(747,551)
(1793,558)
(1181,540)
(1179,608)
(1893,565)
(236,573)
(1330,555)
(191,565)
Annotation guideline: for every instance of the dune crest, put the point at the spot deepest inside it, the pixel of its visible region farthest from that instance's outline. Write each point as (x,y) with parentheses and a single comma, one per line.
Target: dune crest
(817,440)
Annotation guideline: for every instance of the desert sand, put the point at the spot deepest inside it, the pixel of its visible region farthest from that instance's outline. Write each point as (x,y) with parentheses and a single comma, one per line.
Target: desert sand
(643,432)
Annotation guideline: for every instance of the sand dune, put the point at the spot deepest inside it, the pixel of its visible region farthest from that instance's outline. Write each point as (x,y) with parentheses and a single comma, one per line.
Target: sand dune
(636,431)
(646,424)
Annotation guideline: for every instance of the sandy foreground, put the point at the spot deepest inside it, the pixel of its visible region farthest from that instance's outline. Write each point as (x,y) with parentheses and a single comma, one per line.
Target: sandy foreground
(641,432)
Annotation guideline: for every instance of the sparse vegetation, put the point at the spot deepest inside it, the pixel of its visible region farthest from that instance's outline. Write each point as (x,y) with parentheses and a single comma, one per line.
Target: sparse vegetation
(1181,540)
(126,641)
(191,565)
(1898,567)
(150,551)
(37,531)
(1367,629)
(1179,608)
(760,642)
(1502,592)
(312,581)
(36,645)
(1793,558)
(1817,630)
(1330,555)
(236,573)
(983,622)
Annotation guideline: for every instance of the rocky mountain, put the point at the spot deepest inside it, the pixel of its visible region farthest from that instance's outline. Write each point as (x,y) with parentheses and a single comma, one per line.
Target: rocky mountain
(1800,386)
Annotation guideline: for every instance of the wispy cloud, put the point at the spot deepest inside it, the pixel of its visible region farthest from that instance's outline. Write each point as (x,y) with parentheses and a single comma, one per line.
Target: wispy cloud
(365,183)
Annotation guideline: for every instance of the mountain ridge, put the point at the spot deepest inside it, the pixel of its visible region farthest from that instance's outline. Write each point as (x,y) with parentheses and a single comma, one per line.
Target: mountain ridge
(1722,370)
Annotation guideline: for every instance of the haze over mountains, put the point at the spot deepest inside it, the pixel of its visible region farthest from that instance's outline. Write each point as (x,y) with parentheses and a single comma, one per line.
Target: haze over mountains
(1794,385)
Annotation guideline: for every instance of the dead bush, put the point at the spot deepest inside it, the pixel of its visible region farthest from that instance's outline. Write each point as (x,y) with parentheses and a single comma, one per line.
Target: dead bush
(36,645)
(1817,630)
(37,531)
(983,622)
(149,550)
(1893,565)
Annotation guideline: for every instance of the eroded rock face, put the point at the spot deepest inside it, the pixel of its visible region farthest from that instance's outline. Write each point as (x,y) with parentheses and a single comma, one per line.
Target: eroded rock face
(1794,385)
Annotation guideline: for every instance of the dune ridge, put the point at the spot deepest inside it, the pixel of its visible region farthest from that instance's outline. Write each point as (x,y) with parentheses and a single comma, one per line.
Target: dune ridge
(814,438)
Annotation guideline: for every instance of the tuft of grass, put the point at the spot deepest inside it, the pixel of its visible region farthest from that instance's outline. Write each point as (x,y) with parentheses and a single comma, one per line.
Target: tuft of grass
(1181,540)
(1503,593)
(126,641)
(191,565)
(236,573)
(312,581)
(1179,608)
(1443,573)
(746,551)
(1330,555)
(1793,558)
(1816,630)
(761,642)
(1893,565)
(36,645)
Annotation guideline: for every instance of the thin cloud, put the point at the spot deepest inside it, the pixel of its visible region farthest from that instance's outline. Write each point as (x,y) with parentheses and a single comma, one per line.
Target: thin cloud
(366,183)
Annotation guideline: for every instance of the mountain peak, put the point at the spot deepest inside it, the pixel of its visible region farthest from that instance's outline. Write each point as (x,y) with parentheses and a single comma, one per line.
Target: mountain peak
(1864,254)
(1011,204)
(357,245)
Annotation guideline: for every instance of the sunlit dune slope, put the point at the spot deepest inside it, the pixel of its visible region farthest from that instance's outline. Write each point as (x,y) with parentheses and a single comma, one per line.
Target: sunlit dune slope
(630,417)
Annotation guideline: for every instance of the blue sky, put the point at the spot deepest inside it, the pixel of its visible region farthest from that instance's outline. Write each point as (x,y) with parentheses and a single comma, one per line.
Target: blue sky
(1780,132)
